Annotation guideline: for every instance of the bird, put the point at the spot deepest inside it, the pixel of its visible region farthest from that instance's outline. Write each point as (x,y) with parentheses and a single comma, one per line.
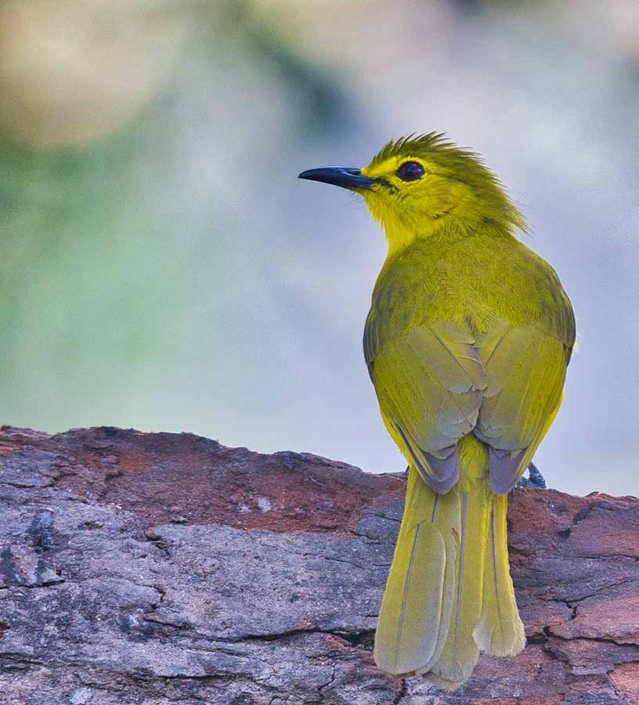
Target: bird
(467,343)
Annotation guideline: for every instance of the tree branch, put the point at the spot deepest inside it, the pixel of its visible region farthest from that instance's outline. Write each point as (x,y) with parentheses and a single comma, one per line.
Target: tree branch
(165,568)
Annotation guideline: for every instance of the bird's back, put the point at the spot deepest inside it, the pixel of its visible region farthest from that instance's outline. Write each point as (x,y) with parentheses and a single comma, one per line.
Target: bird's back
(471,281)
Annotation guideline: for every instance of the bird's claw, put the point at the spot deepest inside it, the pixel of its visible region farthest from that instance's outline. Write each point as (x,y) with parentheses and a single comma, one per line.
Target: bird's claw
(535,479)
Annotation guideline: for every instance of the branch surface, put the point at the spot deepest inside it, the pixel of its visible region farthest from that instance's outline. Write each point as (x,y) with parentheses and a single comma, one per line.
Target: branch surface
(166,568)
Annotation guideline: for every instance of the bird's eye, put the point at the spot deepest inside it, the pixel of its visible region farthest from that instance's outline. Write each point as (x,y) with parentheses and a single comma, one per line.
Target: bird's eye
(410,171)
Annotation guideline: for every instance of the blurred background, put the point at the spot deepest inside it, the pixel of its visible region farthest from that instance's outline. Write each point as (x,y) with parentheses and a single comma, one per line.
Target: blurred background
(162,268)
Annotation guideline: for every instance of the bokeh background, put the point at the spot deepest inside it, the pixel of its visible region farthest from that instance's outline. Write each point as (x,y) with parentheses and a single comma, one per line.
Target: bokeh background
(162,268)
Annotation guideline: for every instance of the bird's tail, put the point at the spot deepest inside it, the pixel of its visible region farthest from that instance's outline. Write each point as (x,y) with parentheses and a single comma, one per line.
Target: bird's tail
(449,592)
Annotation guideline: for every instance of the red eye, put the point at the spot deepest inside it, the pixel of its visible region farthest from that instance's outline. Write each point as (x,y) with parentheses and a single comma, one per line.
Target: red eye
(410,171)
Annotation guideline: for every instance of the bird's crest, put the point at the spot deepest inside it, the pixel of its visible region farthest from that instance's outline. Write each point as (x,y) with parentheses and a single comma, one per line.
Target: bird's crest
(422,145)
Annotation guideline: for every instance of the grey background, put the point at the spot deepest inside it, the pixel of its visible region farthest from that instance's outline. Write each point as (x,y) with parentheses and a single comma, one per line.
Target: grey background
(163,268)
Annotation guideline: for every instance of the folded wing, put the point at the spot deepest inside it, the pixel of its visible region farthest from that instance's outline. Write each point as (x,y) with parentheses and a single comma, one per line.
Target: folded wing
(437,383)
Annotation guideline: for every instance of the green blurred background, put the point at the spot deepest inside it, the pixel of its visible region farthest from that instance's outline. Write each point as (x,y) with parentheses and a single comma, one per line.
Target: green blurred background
(162,268)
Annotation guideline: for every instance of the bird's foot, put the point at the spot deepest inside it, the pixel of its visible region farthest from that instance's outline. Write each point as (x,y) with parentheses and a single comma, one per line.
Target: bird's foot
(535,479)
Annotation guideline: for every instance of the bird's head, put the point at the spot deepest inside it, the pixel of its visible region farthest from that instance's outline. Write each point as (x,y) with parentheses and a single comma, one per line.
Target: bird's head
(419,186)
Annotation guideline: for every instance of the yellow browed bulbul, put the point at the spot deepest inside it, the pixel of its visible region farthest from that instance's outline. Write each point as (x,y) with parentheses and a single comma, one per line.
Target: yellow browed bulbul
(467,342)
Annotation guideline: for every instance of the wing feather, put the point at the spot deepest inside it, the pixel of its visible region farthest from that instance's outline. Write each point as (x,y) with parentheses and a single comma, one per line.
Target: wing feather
(526,369)
(436,384)
(429,384)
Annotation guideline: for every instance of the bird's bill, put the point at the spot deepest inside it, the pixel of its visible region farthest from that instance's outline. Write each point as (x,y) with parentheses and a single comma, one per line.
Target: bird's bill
(343,176)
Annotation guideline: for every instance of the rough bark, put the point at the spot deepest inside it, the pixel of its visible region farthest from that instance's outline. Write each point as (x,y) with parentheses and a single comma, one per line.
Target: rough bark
(163,568)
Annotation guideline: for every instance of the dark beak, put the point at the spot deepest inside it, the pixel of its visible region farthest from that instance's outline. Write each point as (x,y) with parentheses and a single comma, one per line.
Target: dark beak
(344,176)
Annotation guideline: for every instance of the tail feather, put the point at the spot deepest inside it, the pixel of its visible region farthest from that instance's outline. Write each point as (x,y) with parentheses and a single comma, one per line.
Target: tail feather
(461,652)
(412,606)
(447,521)
(500,631)
(449,592)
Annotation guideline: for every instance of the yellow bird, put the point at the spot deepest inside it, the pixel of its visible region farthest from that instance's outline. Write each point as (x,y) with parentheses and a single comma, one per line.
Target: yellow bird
(467,343)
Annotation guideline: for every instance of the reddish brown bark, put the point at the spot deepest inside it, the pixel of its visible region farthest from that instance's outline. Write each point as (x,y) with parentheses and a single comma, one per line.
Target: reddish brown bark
(164,568)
